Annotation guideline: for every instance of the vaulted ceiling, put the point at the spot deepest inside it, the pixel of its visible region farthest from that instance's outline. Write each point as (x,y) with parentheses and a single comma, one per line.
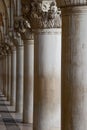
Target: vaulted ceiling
(4,14)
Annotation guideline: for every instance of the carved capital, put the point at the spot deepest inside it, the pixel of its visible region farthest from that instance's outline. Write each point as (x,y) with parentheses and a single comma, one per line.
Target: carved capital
(42,14)
(27,35)
(17,39)
(23,28)
(18,23)
(5,49)
(8,41)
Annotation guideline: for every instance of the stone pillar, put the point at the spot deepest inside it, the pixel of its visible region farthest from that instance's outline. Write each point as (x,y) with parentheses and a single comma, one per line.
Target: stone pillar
(19,75)
(47,66)
(2,87)
(9,77)
(47,79)
(28,80)
(74,65)
(4,74)
(28,74)
(13,77)
(24,28)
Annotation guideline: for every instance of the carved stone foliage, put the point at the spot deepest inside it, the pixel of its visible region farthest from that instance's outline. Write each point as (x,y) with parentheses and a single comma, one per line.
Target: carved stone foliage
(23,28)
(5,49)
(9,41)
(42,14)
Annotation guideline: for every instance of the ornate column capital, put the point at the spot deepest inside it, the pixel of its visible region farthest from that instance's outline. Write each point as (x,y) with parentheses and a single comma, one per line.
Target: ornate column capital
(42,14)
(17,39)
(9,41)
(23,27)
(67,3)
(5,49)
(17,28)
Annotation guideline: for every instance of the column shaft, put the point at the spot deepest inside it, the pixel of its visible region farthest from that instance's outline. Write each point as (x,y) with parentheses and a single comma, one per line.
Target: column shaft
(4,74)
(9,78)
(74,67)
(13,78)
(20,78)
(28,80)
(47,79)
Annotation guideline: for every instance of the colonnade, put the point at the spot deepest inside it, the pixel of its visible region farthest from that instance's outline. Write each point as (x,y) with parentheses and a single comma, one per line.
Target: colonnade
(49,92)
(35,76)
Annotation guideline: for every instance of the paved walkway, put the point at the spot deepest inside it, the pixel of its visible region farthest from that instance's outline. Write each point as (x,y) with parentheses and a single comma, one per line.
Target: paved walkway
(9,120)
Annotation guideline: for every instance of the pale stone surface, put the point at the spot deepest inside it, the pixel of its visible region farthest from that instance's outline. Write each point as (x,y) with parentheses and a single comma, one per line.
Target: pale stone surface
(74,67)
(28,81)
(2,74)
(22,26)
(47,79)
(3,78)
(3,70)
(13,78)
(20,78)
(9,77)
(6,74)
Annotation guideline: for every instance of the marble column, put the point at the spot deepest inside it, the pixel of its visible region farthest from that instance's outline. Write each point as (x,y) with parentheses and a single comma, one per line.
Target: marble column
(2,87)
(47,79)
(13,77)
(9,77)
(74,66)
(4,75)
(19,75)
(6,62)
(28,76)
(47,66)
(23,27)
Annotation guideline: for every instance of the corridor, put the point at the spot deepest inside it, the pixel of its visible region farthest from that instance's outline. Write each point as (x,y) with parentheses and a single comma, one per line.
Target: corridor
(9,119)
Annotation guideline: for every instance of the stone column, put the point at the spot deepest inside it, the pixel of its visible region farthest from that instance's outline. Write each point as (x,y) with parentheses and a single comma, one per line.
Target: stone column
(4,75)
(13,77)
(28,72)
(9,77)
(74,65)
(47,66)
(6,62)
(28,80)
(5,65)
(6,71)
(7,74)
(28,40)
(2,87)
(19,75)
(47,79)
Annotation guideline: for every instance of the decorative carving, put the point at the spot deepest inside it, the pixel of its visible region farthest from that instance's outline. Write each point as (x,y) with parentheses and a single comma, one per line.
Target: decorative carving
(5,49)
(23,27)
(8,41)
(42,14)
(17,39)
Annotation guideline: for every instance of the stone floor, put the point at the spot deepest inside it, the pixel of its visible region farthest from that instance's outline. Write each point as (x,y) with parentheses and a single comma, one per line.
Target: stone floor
(9,120)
